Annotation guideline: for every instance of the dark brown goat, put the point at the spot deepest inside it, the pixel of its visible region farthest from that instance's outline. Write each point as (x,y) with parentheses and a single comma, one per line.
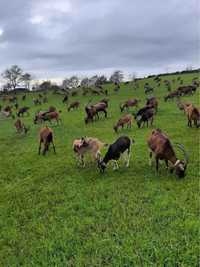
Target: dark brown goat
(93,110)
(46,137)
(47,116)
(74,105)
(172,95)
(161,147)
(186,90)
(129,103)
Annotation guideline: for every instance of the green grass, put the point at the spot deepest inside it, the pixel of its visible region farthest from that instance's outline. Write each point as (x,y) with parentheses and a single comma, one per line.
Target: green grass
(53,213)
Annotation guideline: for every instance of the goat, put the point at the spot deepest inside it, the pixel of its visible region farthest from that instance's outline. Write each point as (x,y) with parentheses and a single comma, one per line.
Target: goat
(147,116)
(121,145)
(47,116)
(74,105)
(160,145)
(87,145)
(93,110)
(187,90)
(126,119)
(193,115)
(172,95)
(23,110)
(46,137)
(129,103)
(20,126)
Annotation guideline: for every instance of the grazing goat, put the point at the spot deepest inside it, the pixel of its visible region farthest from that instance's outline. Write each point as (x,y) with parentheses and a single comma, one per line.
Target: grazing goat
(74,105)
(87,145)
(161,147)
(46,137)
(47,116)
(193,115)
(20,126)
(186,90)
(172,95)
(23,110)
(93,110)
(129,103)
(152,102)
(121,145)
(126,119)
(146,116)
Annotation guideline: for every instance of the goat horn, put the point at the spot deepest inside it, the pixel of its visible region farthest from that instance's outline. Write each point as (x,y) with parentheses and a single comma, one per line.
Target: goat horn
(181,147)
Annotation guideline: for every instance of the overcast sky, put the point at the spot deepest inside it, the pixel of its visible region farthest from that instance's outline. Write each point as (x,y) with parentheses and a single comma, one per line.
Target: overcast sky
(55,39)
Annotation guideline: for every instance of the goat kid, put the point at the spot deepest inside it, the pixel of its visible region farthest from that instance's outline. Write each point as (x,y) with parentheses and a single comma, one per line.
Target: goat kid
(87,145)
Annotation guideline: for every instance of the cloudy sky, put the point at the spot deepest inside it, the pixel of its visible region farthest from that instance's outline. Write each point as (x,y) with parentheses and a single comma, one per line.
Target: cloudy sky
(58,38)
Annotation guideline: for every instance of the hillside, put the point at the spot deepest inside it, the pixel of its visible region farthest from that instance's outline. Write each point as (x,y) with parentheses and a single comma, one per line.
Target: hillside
(54,213)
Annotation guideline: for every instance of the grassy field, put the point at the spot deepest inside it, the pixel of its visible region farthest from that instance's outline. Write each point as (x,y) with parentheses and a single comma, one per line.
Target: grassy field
(53,213)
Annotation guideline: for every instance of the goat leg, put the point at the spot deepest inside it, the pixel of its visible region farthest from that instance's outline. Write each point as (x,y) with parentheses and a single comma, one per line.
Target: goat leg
(39,147)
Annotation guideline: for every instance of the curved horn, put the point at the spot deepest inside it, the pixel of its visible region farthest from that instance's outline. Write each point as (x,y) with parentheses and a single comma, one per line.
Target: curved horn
(181,147)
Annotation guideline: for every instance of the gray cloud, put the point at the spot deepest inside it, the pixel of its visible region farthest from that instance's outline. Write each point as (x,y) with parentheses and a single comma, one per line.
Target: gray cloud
(56,38)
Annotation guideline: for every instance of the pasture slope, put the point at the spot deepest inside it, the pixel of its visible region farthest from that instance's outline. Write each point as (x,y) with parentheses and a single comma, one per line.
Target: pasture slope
(53,213)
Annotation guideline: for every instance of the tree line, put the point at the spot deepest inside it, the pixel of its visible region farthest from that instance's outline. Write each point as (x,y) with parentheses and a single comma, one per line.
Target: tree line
(14,77)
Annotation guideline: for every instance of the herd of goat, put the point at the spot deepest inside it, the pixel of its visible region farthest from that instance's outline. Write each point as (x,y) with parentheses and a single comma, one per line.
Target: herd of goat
(158,142)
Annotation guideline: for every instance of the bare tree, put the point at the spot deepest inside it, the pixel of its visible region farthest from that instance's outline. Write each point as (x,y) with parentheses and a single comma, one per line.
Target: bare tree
(26,78)
(85,83)
(74,81)
(13,76)
(70,83)
(117,77)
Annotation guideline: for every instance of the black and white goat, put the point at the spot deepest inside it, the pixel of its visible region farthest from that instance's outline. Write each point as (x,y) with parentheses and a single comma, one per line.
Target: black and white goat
(121,145)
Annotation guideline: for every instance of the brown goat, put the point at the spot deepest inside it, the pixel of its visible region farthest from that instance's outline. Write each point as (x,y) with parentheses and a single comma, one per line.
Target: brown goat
(47,116)
(87,145)
(193,115)
(74,105)
(46,137)
(126,119)
(129,103)
(93,110)
(20,126)
(161,147)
